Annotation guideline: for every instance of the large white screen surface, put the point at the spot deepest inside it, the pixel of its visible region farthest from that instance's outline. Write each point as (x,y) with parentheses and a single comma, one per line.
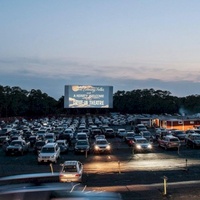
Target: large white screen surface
(88,96)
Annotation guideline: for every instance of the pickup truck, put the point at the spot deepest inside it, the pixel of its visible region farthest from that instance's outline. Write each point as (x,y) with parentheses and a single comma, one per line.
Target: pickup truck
(17,147)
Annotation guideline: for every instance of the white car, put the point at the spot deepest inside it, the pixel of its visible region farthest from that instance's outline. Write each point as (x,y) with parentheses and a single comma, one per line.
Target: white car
(71,171)
(121,132)
(49,153)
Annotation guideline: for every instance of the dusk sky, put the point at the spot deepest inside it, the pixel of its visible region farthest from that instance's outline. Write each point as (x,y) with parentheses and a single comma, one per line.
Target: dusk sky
(127,44)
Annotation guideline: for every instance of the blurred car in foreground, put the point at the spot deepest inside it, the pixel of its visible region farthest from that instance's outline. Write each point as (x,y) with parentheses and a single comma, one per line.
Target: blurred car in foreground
(71,171)
(41,187)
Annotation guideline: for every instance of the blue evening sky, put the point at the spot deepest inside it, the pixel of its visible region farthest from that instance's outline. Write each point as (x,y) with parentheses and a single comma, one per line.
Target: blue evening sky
(128,44)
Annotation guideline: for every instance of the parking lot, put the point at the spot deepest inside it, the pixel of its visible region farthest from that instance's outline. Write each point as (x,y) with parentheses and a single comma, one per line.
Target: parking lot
(119,171)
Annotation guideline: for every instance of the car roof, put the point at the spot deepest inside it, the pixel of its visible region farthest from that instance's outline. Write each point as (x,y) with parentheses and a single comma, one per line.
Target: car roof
(140,138)
(60,140)
(101,139)
(170,136)
(70,162)
(50,144)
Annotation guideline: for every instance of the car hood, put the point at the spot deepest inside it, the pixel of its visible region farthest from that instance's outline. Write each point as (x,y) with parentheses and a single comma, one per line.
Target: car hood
(46,154)
(14,146)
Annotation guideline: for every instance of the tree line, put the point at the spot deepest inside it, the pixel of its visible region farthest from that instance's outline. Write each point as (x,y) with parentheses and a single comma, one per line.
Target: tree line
(15,102)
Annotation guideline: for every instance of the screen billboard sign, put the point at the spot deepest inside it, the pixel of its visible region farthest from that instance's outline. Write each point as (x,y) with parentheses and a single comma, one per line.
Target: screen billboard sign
(88,96)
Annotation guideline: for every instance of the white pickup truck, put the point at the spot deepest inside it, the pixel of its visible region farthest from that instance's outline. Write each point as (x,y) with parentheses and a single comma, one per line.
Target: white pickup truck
(49,153)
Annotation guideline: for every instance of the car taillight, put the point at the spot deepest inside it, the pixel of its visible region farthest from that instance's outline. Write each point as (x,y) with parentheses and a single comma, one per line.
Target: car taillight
(77,175)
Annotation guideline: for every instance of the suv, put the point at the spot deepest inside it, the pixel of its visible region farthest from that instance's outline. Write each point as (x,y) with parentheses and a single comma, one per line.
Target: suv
(169,142)
(49,153)
(101,146)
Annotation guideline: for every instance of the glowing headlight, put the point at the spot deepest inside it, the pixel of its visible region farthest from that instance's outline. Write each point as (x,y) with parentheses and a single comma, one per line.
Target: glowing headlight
(96,147)
(108,147)
(149,146)
(138,146)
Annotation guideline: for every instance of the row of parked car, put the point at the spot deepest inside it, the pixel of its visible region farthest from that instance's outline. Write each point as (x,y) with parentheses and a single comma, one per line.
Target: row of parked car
(142,139)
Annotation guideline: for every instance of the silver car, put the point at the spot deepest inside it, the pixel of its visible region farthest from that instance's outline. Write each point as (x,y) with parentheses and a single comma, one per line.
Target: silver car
(101,146)
(71,171)
(141,144)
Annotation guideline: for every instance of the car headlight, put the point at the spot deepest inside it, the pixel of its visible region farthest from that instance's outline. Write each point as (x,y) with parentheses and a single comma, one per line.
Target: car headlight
(53,156)
(138,146)
(149,146)
(96,147)
(108,147)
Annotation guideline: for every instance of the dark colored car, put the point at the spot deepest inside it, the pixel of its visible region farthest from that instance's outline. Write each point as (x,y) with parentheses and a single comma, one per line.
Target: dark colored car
(82,146)
(193,140)
(38,145)
(179,134)
(32,139)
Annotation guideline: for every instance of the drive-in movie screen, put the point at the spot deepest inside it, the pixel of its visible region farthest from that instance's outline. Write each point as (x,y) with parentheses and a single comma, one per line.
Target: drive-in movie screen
(88,96)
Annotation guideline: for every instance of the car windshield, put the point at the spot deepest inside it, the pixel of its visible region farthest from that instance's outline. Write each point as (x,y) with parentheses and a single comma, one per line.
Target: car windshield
(48,136)
(142,141)
(174,140)
(197,137)
(146,134)
(60,143)
(130,135)
(69,168)
(40,144)
(48,150)
(16,143)
(82,143)
(179,132)
(101,142)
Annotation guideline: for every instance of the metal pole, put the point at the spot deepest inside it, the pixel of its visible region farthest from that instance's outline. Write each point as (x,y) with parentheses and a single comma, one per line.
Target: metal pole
(186,164)
(86,153)
(165,185)
(119,168)
(178,148)
(51,167)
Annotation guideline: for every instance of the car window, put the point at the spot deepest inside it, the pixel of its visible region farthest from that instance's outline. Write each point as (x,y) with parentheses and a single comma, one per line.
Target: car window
(70,168)
(174,140)
(82,142)
(48,150)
